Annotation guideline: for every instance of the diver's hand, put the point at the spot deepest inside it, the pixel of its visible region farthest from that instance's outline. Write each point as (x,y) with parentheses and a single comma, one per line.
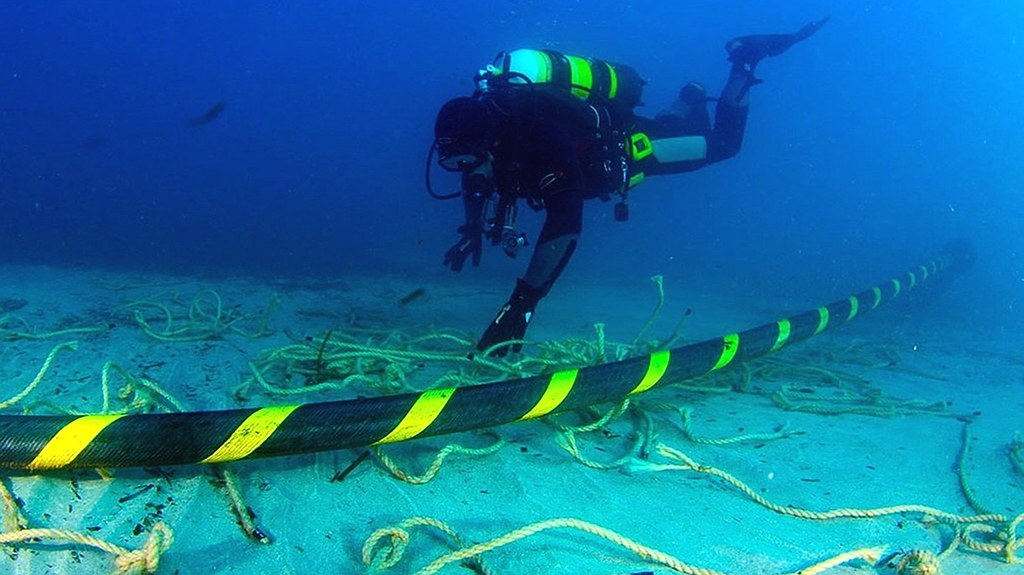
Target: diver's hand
(749,50)
(471,244)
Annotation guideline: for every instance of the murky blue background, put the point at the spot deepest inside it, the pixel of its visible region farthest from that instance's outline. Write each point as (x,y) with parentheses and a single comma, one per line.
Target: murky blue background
(892,131)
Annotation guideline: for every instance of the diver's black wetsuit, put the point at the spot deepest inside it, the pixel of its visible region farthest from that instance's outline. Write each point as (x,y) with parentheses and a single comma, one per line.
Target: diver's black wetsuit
(546,162)
(545,152)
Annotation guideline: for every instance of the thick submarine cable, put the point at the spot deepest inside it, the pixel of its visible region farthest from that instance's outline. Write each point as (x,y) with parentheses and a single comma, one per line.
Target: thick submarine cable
(51,442)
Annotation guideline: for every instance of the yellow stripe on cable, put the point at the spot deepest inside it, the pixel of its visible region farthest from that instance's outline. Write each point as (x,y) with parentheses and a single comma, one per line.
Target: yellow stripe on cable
(854,307)
(251,434)
(655,370)
(783,337)
(822,320)
(558,389)
(730,344)
(422,413)
(878,297)
(65,446)
(896,287)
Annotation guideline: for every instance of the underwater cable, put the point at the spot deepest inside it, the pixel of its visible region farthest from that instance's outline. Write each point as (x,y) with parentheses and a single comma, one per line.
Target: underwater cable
(43,442)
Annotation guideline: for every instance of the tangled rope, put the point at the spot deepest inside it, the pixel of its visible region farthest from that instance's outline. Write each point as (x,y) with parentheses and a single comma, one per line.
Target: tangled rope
(127,562)
(432,470)
(687,464)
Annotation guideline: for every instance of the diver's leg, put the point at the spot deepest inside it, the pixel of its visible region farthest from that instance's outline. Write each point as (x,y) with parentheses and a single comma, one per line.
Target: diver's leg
(731,115)
(554,248)
(750,50)
(557,240)
(746,52)
(677,150)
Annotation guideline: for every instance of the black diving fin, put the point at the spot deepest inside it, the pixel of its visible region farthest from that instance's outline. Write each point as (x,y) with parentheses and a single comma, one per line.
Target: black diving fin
(749,50)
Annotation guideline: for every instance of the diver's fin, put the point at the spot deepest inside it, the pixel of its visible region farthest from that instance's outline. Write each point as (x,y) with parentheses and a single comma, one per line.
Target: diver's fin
(749,50)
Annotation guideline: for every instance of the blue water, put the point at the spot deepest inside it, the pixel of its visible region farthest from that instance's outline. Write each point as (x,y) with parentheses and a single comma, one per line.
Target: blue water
(892,131)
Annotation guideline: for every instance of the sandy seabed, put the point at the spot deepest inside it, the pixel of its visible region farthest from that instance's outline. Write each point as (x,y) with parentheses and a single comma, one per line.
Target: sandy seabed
(318,523)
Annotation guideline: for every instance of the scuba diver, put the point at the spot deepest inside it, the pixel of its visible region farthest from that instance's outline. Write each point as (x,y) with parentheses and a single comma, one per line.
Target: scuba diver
(555,130)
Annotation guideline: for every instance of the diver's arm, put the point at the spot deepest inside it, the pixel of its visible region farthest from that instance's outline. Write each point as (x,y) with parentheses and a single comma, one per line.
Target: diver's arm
(476,189)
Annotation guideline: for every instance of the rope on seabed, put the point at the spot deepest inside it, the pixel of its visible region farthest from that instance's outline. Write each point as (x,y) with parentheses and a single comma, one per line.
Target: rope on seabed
(242,511)
(685,415)
(380,555)
(918,562)
(435,466)
(992,540)
(961,471)
(687,464)
(203,321)
(8,334)
(127,561)
(14,519)
(386,358)
(39,376)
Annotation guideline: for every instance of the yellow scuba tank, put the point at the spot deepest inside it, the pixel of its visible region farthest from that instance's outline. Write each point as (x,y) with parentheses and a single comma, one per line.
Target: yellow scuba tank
(592,80)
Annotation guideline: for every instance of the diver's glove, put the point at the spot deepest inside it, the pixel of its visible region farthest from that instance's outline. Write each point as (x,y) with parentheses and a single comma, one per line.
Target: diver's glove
(749,50)
(512,319)
(471,244)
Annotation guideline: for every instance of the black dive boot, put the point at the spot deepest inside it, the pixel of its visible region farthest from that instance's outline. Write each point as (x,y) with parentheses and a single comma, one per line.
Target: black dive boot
(512,319)
(745,52)
(749,50)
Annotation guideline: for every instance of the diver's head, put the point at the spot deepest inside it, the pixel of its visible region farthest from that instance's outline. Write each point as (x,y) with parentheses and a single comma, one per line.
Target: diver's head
(463,133)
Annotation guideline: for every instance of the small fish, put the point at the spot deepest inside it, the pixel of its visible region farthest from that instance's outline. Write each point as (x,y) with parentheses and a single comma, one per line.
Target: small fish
(212,114)
(412,296)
